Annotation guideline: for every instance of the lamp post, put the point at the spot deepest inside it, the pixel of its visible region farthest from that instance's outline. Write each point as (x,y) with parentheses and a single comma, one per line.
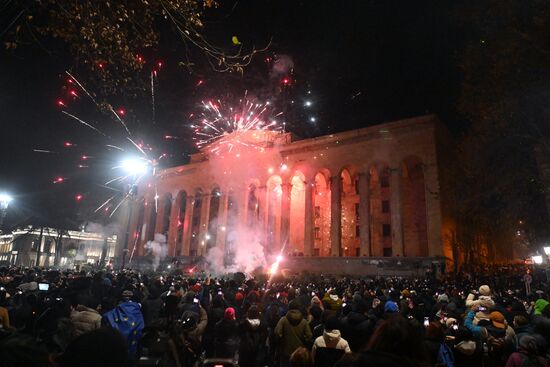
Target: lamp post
(134,168)
(5,200)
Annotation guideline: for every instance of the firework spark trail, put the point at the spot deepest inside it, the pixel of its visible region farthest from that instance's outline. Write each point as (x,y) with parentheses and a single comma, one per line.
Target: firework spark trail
(227,127)
(120,120)
(119,204)
(120,178)
(137,146)
(153,95)
(115,147)
(84,123)
(42,151)
(82,87)
(105,203)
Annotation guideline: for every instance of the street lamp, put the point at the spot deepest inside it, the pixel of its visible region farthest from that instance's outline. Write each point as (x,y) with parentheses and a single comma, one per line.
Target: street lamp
(5,200)
(134,168)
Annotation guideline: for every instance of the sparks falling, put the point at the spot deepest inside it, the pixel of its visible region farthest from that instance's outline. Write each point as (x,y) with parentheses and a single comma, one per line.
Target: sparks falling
(224,128)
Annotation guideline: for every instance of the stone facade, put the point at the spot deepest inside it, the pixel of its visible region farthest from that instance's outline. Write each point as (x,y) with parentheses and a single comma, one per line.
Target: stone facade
(371,192)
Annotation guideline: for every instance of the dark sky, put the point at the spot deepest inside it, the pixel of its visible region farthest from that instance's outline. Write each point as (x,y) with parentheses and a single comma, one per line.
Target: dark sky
(364,62)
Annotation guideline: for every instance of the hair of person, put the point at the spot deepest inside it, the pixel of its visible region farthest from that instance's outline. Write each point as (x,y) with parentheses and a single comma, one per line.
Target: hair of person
(398,336)
(435,331)
(301,357)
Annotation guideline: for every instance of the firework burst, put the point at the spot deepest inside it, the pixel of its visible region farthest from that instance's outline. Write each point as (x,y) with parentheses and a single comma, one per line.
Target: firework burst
(222,128)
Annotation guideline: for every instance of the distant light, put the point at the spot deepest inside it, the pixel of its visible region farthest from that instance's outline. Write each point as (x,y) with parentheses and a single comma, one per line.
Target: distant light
(307,103)
(169,266)
(312,119)
(270,170)
(284,167)
(537,259)
(547,250)
(121,112)
(78,197)
(134,166)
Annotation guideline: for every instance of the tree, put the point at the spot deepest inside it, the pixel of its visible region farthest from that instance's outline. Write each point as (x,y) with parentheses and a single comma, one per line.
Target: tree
(111,37)
(506,68)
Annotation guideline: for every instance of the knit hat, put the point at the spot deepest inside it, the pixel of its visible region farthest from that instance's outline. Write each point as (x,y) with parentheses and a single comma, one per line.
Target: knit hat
(498,320)
(239,296)
(390,306)
(486,302)
(405,293)
(485,290)
(229,313)
(196,288)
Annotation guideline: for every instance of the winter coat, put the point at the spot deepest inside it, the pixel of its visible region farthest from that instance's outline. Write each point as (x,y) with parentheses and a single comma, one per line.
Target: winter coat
(151,309)
(518,359)
(357,329)
(226,339)
(332,302)
(331,339)
(467,353)
(293,332)
(252,348)
(85,319)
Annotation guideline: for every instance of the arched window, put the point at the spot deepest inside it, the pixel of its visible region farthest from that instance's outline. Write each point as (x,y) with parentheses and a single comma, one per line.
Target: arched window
(166,214)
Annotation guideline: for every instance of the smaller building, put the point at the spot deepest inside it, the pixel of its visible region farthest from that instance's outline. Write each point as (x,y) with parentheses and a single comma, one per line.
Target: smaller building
(40,246)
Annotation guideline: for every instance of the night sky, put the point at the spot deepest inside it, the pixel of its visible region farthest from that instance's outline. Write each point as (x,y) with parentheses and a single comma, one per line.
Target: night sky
(363,62)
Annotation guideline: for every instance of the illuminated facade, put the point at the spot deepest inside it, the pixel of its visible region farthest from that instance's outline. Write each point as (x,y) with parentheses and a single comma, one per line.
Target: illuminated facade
(38,247)
(372,192)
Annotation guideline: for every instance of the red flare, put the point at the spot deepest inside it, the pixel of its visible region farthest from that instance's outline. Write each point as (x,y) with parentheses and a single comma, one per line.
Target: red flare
(159,64)
(58,180)
(121,112)
(200,82)
(61,103)
(73,93)
(78,197)
(68,144)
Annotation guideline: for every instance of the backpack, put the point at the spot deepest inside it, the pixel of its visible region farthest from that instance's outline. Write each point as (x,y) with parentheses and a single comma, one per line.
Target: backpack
(445,356)
(128,320)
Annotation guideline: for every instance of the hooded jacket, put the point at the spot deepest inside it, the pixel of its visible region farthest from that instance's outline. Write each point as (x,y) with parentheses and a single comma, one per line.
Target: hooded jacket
(540,304)
(293,332)
(253,335)
(85,319)
(330,339)
(332,302)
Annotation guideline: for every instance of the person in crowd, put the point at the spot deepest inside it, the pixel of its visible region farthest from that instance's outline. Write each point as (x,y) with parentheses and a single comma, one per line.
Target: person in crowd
(527,354)
(301,357)
(85,316)
(293,332)
(226,335)
(252,336)
(329,348)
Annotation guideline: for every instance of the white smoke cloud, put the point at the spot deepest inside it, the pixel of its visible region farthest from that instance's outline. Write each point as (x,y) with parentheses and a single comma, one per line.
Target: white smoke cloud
(158,248)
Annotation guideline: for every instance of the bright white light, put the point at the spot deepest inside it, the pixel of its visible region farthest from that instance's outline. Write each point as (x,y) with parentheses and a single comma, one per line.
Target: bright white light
(279,258)
(134,166)
(537,259)
(270,170)
(312,119)
(547,250)
(284,167)
(307,103)
(5,200)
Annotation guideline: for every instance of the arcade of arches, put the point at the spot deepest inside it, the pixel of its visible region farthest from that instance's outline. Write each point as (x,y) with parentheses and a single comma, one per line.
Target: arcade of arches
(368,192)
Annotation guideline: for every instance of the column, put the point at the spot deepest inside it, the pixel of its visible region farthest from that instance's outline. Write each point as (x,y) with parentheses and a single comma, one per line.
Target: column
(308,220)
(285,215)
(173,230)
(222,221)
(187,226)
(203,227)
(335,215)
(395,211)
(433,211)
(364,214)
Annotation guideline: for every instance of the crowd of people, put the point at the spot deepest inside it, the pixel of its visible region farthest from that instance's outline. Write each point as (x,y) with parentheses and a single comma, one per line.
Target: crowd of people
(128,318)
